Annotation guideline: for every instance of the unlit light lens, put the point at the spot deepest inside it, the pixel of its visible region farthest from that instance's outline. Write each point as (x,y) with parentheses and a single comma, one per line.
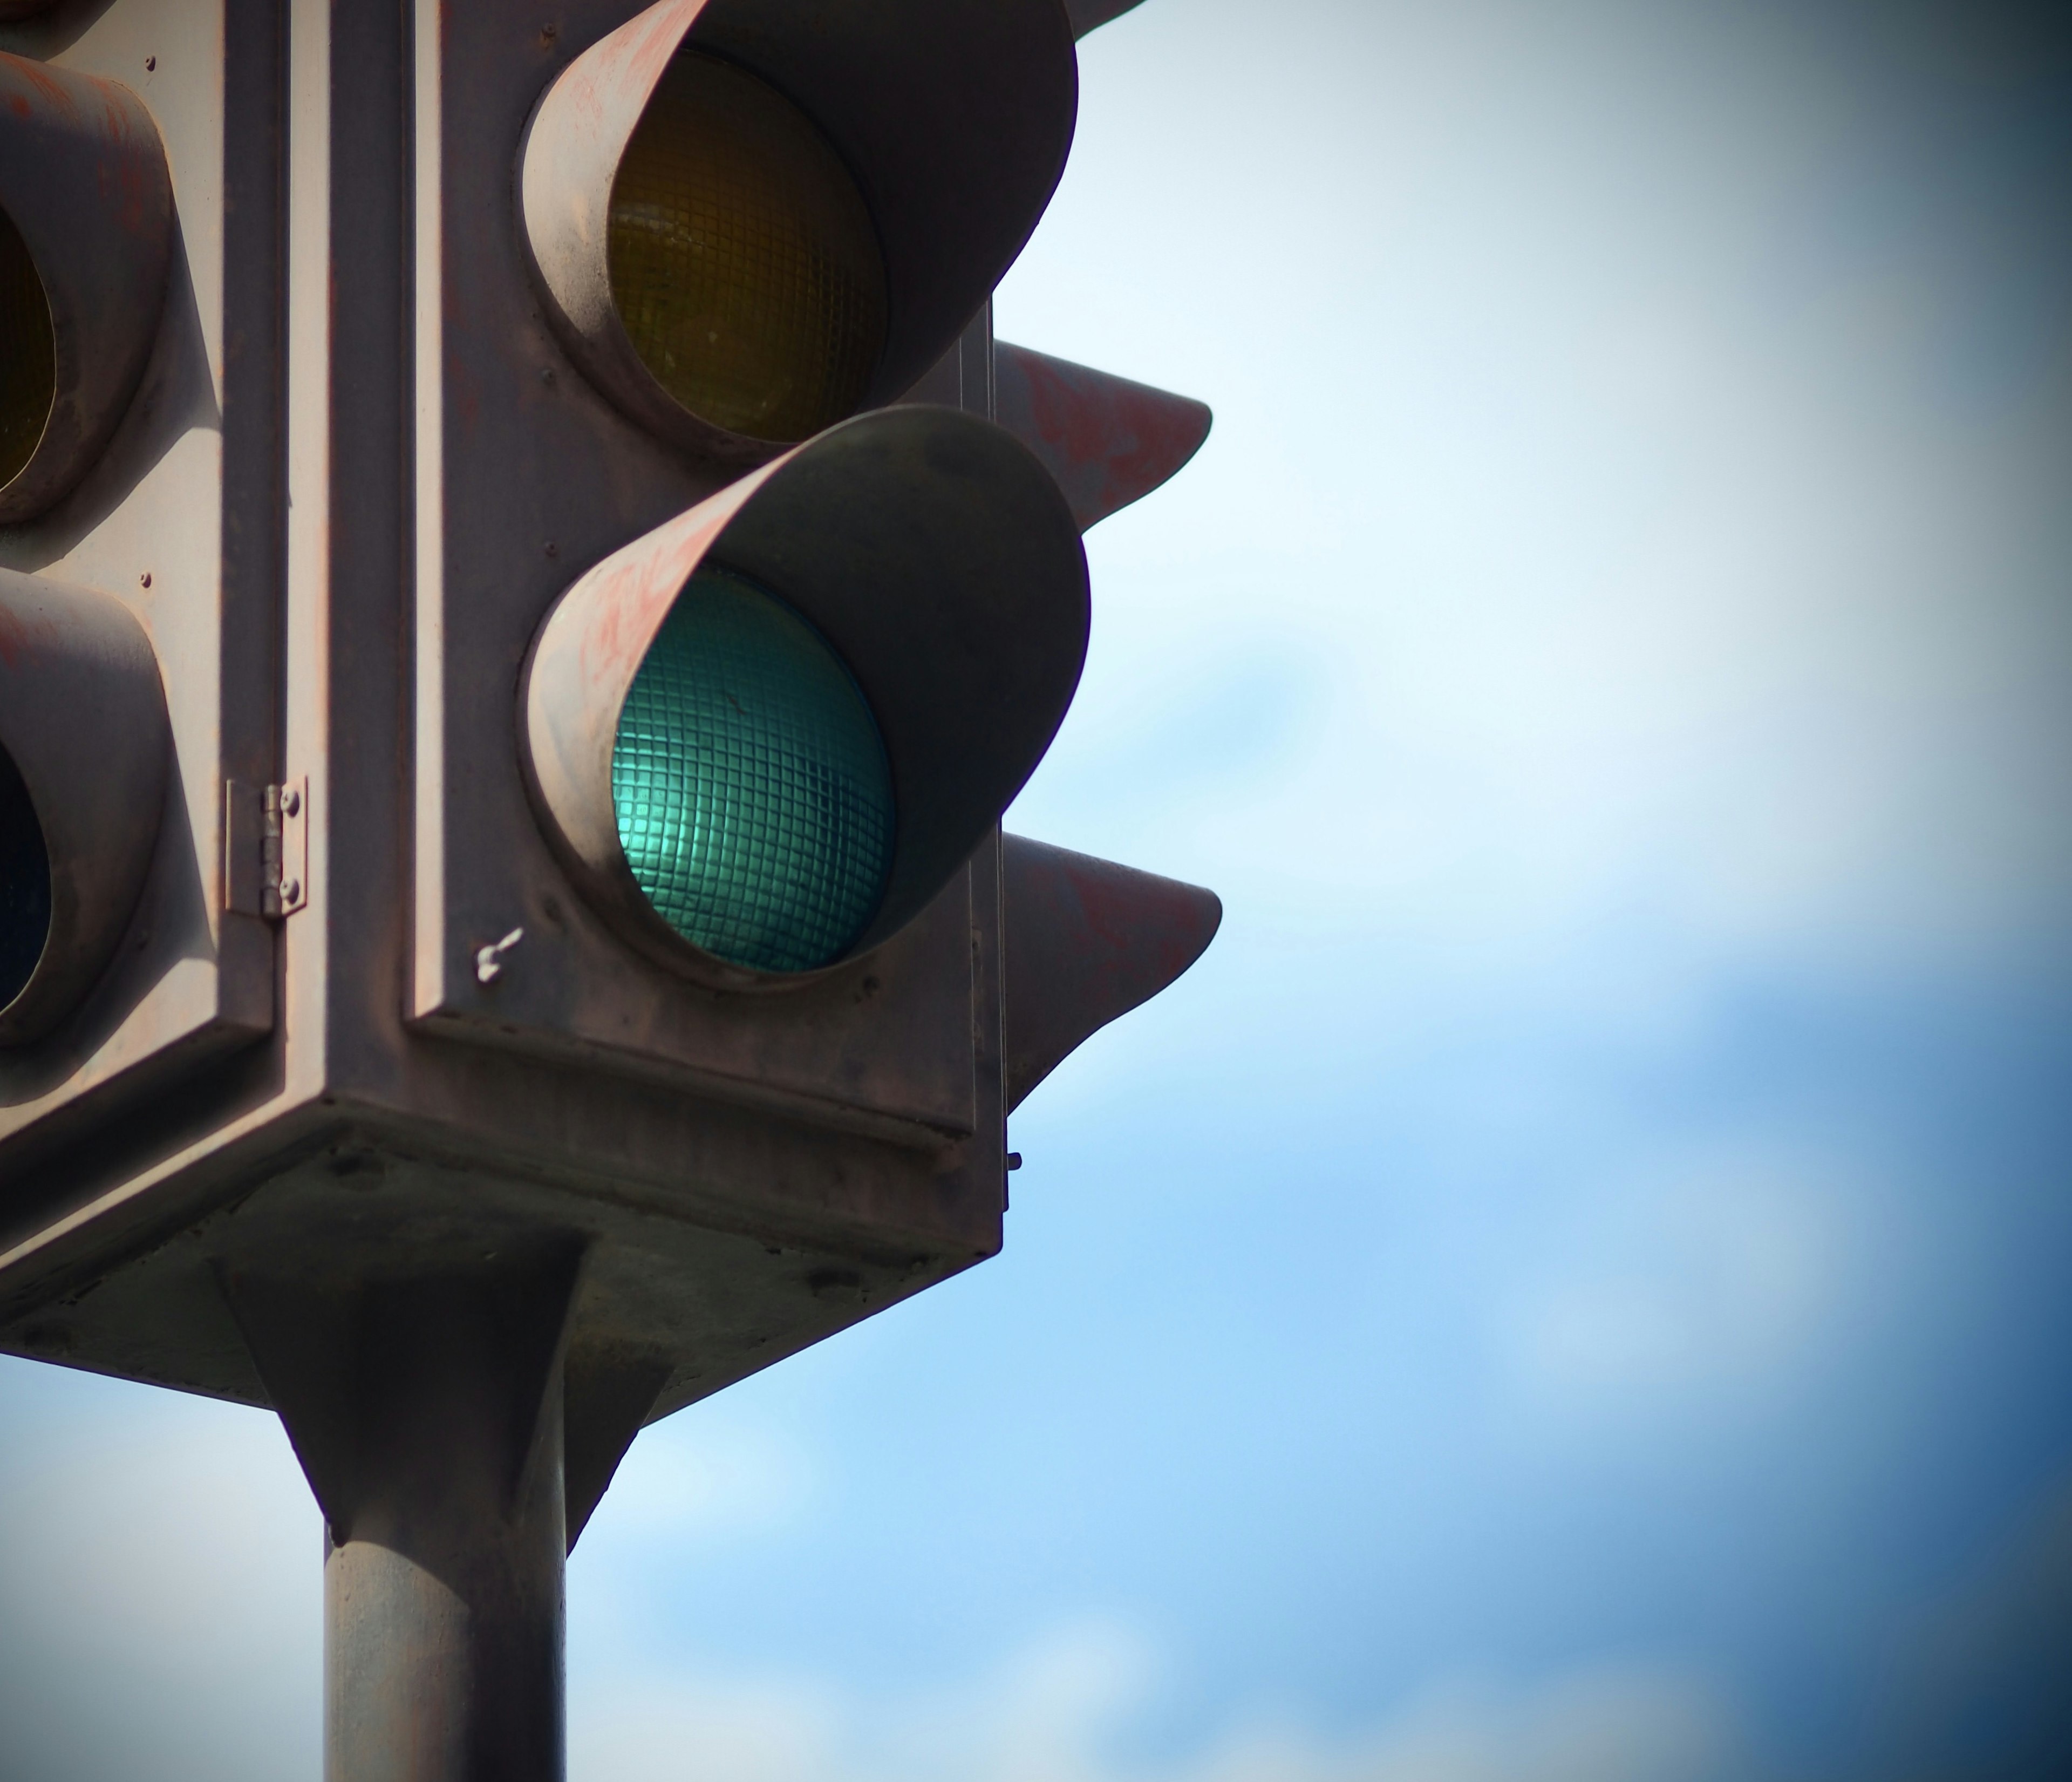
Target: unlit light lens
(28,355)
(25,884)
(743,262)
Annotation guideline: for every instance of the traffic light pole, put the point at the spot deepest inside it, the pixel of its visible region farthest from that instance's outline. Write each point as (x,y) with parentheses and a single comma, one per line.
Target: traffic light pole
(284,1117)
(427,1412)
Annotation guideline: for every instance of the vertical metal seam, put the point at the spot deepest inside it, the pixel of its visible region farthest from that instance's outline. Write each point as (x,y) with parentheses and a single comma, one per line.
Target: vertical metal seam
(305,653)
(422,819)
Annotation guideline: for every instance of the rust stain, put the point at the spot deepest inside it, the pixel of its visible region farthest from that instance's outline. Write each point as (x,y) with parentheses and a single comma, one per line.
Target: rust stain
(21,633)
(1126,913)
(1109,442)
(620,604)
(630,59)
(56,97)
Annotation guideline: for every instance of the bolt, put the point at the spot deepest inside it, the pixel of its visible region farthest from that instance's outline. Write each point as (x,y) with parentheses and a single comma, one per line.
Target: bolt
(552,549)
(150,64)
(291,891)
(144,581)
(291,801)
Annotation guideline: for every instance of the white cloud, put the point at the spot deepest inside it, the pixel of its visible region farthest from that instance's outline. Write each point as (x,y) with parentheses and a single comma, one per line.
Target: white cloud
(1061,1711)
(161,1593)
(1696,1275)
(711,1476)
(1610,505)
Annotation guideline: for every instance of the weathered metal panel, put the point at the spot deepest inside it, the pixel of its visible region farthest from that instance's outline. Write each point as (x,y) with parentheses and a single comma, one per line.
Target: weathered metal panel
(954,189)
(1108,441)
(1085,15)
(65,653)
(935,556)
(82,176)
(177,518)
(1087,940)
(523,475)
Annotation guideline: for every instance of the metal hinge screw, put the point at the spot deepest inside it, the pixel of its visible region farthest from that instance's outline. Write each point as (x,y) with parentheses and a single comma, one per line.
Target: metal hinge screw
(266,848)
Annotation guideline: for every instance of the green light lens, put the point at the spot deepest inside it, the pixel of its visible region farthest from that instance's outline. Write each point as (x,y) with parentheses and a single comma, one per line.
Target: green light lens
(24,883)
(753,798)
(28,355)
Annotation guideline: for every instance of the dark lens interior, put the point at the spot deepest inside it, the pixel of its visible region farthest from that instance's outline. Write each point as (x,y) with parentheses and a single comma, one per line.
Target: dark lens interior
(28,361)
(24,883)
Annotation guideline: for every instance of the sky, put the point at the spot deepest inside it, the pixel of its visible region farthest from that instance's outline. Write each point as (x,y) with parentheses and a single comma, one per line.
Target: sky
(1574,1286)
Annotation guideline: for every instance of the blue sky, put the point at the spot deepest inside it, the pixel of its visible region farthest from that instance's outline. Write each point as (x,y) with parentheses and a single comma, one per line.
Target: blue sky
(1575,1284)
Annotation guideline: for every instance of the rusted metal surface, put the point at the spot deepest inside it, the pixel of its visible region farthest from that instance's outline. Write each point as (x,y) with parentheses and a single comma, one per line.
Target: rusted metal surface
(751,1173)
(954,189)
(1087,940)
(567,163)
(84,176)
(523,474)
(935,556)
(1086,14)
(471,1063)
(1108,441)
(178,519)
(83,715)
(424,1398)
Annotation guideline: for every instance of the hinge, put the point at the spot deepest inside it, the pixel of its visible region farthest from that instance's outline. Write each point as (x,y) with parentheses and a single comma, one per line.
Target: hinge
(266,848)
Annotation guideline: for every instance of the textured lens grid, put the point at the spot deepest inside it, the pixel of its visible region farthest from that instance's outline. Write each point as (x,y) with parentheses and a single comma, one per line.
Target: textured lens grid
(743,263)
(753,800)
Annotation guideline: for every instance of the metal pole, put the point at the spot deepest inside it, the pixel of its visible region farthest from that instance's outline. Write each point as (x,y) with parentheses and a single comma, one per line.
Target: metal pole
(427,1412)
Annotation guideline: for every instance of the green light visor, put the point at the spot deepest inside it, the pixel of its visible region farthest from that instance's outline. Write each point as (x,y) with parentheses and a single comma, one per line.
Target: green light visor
(753,795)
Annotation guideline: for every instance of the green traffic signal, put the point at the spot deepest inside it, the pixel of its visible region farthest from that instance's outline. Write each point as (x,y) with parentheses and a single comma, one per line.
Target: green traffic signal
(753,798)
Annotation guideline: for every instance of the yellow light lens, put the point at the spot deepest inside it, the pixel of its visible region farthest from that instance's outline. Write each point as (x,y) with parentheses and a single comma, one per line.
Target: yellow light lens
(743,262)
(28,355)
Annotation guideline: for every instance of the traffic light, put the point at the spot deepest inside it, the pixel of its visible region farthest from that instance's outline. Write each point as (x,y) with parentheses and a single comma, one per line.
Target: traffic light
(77,828)
(567,589)
(139,587)
(85,215)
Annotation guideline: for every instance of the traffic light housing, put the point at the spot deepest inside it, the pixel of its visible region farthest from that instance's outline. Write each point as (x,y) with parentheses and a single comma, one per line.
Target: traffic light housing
(567,584)
(86,240)
(933,569)
(77,827)
(748,222)
(140,595)
(85,229)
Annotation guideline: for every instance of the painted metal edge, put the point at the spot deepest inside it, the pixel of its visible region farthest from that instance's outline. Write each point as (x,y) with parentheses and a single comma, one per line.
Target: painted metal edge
(1107,440)
(1087,941)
